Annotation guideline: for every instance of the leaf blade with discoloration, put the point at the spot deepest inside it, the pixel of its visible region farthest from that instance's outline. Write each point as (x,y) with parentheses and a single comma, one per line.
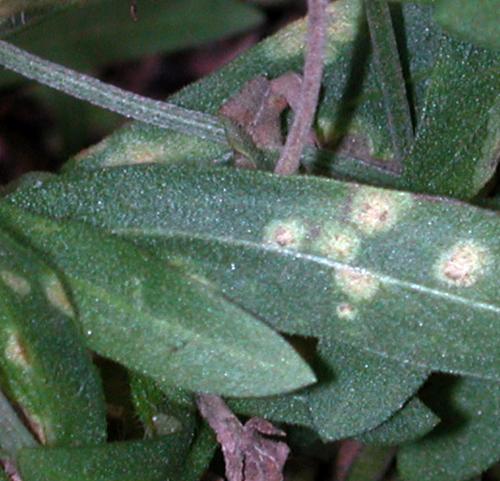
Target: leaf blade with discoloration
(149,316)
(361,250)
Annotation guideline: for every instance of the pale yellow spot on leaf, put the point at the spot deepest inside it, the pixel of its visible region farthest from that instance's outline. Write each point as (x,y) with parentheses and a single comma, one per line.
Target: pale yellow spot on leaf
(357,284)
(375,210)
(16,282)
(346,311)
(337,242)
(463,264)
(15,351)
(289,234)
(57,296)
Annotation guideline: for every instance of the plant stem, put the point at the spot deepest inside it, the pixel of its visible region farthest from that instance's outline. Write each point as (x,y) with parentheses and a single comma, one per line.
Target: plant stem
(289,160)
(13,433)
(390,76)
(84,87)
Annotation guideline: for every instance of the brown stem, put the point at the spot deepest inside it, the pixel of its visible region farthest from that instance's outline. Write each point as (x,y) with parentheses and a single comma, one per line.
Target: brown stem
(289,160)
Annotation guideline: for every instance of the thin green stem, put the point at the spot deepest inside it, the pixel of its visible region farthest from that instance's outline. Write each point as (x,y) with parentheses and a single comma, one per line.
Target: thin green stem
(13,433)
(84,87)
(390,76)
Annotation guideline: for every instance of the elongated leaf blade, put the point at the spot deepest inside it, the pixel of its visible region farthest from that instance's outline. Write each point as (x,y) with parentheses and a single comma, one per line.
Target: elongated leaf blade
(466,442)
(147,315)
(362,250)
(44,365)
(154,460)
(456,147)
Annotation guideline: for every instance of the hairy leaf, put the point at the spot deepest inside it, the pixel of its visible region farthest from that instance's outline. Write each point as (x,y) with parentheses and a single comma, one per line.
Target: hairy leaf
(457,144)
(466,442)
(147,315)
(44,366)
(411,422)
(359,249)
(154,460)
(356,392)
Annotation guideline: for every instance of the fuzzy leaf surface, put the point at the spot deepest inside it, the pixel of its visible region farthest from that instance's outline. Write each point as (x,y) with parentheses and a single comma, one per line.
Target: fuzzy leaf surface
(361,250)
(154,460)
(149,316)
(411,422)
(466,442)
(44,365)
(356,391)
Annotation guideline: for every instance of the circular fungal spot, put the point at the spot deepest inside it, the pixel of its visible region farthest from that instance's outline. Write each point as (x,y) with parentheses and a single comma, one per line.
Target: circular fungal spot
(15,351)
(288,234)
(337,242)
(57,296)
(375,210)
(346,311)
(16,282)
(357,284)
(165,424)
(463,264)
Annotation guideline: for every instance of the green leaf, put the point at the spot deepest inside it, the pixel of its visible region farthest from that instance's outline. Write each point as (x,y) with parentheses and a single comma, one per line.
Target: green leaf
(474,22)
(98,33)
(351,119)
(466,442)
(147,315)
(356,391)
(44,366)
(155,460)
(456,147)
(360,249)
(371,464)
(413,421)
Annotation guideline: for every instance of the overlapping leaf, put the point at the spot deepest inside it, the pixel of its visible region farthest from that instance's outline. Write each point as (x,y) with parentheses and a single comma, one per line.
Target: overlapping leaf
(341,256)
(144,313)
(44,366)
(411,422)
(466,442)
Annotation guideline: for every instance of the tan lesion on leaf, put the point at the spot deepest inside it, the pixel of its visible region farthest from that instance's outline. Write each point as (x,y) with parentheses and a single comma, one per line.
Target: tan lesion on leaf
(356,283)
(346,311)
(463,264)
(337,241)
(288,233)
(15,351)
(375,210)
(15,282)
(56,295)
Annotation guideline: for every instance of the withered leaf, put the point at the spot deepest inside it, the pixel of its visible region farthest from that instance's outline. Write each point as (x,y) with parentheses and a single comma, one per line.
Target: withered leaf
(248,453)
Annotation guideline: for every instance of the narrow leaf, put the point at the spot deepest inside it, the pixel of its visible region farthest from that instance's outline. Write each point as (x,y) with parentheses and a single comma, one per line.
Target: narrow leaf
(155,460)
(456,147)
(390,76)
(466,442)
(145,314)
(408,424)
(44,366)
(360,249)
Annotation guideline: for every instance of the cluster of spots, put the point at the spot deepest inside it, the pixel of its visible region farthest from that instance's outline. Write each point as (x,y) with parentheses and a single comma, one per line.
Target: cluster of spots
(288,234)
(357,284)
(463,264)
(57,296)
(15,351)
(375,210)
(337,242)
(15,282)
